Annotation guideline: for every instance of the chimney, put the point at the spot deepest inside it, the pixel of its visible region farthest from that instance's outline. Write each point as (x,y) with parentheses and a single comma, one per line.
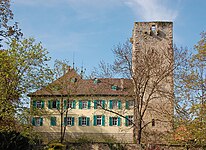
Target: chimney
(122,84)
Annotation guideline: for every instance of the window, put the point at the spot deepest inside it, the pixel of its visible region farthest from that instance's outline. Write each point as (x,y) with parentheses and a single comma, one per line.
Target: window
(69,121)
(153,122)
(96,81)
(129,104)
(99,120)
(73,80)
(114,87)
(53,121)
(69,104)
(129,120)
(37,121)
(84,121)
(38,104)
(85,104)
(153,28)
(54,104)
(114,104)
(99,104)
(114,121)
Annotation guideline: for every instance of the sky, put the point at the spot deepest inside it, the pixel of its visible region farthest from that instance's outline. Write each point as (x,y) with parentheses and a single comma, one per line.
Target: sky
(86,31)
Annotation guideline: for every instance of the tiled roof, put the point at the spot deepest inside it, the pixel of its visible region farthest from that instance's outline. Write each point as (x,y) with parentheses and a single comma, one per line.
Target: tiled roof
(72,84)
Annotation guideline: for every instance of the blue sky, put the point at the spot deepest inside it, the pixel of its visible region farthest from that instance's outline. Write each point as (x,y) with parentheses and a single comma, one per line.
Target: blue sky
(87,30)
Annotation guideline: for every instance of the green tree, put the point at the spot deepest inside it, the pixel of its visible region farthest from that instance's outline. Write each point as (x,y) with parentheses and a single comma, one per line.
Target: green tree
(24,68)
(8,92)
(8,29)
(191,94)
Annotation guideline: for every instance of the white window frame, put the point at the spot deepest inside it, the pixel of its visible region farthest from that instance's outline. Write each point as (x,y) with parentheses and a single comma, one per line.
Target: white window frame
(130,120)
(69,121)
(131,104)
(115,104)
(38,104)
(84,104)
(99,120)
(69,104)
(114,121)
(99,103)
(84,121)
(37,121)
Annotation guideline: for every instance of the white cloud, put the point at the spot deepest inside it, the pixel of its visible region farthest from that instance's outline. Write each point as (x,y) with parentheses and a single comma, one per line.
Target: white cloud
(153,10)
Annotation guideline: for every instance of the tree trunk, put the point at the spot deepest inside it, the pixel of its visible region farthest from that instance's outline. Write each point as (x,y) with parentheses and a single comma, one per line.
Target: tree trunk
(61,137)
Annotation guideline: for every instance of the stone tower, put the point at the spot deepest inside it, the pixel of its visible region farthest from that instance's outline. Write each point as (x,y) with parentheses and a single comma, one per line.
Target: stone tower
(152,66)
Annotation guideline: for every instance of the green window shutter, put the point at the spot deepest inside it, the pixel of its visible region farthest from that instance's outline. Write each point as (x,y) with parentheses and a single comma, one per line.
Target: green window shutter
(95,104)
(119,121)
(80,104)
(127,105)
(34,121)
(65,104)
(34,104)
(126,121)
(119,104)
(110,121)
(103,120)
(110,104)
(88,121)
(72,121)
(73,104)
(53,121)
(80,121)
(89,104)
(42,104)
(65,121)
(103,103)
(49,104)
(95,120)
(41,121)
(58,104)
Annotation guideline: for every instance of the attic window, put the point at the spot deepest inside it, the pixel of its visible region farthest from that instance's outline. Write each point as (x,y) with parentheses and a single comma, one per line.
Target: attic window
(114,87)
(96,81)
(73,80)
(153,28)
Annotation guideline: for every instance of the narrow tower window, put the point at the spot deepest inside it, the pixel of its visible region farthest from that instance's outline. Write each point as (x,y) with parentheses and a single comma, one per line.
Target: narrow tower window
(153,28)
(153,122)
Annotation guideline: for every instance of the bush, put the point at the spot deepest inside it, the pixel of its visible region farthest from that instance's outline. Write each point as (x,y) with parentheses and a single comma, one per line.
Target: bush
(57,146)
(14,140)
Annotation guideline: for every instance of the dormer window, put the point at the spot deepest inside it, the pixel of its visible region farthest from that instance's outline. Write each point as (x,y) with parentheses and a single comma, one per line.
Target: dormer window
(73,80)
(96,81)
(114,87)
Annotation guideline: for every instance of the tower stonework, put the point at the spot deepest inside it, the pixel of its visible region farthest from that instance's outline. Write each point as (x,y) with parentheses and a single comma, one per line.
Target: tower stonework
(152,67)
(155,35)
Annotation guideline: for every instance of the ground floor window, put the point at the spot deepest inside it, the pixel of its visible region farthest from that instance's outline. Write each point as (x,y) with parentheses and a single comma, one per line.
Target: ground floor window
(37,121)
(114,121)
(84,121)
(53,121)
(99,120)
(129,120)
